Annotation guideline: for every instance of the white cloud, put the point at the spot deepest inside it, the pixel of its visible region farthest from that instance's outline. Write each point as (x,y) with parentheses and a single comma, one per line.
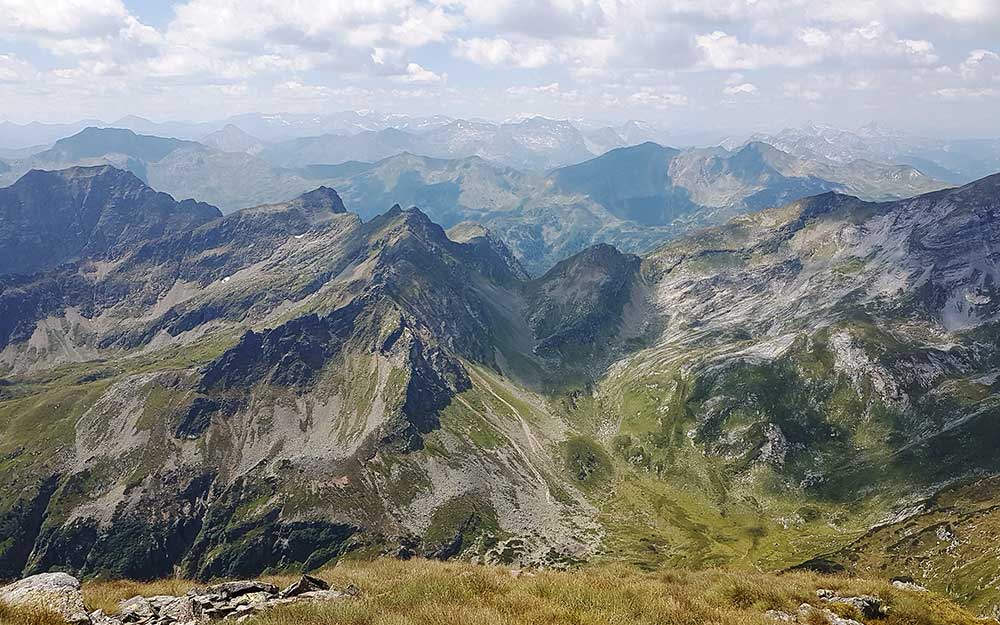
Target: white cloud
(607,55)
(798,91)
(501,52)
(870,43)
(14,70)
(658,99)
(726,52)
(417,73)
(552,92)
(981,64)
(57,19)
(745,88)
(967,93)
(540,18)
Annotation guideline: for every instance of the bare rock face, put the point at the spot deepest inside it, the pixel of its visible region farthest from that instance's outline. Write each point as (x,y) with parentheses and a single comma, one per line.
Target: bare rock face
(55,592)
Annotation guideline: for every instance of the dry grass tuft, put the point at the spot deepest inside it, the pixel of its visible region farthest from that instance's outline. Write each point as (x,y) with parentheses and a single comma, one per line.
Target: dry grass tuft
(453,593)
(10,615)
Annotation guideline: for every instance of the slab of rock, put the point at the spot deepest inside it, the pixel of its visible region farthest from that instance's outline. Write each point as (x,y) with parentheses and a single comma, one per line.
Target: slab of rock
(55,592)
(905,582)
(306,583)
(136,610)
(867,605)
(98,617)
(231,590)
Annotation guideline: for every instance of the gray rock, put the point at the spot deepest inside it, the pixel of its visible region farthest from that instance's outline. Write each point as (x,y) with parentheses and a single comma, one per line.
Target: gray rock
(98,617)
(867,605)
(231,590)
(178,609)
(136,610)
(779,615)
(306,583)
(56,592)
(252,599)
(809,614)
(908,586)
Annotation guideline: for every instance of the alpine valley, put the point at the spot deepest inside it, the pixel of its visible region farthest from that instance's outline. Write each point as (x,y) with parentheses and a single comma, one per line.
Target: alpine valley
(486,377)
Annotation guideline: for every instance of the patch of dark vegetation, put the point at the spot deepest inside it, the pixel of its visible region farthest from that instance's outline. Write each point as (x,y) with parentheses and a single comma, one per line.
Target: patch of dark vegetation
(457,524)
(586,461)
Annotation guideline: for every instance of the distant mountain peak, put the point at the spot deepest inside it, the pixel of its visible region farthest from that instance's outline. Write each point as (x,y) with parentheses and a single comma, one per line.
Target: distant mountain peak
(321,199)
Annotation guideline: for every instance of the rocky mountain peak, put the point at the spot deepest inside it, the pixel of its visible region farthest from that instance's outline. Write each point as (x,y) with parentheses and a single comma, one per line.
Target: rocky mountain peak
(500,262)
(321,199)
(51,217)
(577,305)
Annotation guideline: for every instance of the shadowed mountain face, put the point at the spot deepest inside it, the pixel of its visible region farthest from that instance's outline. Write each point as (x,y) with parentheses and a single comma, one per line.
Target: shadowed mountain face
(286,384)
(50,218)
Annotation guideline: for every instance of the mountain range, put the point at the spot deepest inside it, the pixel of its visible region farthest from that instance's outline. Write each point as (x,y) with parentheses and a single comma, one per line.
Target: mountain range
(531,143)
(955,161)
(633,197)
(812,385)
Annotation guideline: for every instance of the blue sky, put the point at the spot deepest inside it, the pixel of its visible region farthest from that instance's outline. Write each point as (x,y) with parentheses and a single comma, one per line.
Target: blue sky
(931,66)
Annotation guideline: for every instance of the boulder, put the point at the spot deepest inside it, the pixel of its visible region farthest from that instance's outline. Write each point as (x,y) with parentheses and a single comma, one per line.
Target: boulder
(905,582)
(55,592)
(178,610)
(866,605)
(233,601)
(136,610)
(809,615)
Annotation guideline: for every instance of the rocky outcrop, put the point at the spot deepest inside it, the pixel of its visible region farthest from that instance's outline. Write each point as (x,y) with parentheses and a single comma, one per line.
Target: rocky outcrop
(808,614)
(60,594)
(867,607)
(236,600)
(52,592)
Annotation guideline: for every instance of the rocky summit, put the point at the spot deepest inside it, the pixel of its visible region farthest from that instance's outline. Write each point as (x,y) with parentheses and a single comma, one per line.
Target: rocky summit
(811,386)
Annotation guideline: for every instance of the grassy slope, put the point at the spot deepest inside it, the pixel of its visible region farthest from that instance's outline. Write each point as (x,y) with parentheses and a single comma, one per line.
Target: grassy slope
(428,592)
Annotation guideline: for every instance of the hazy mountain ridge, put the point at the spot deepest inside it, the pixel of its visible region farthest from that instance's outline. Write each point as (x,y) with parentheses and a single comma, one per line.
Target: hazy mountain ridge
(182,168)
(631,197)
(955,161)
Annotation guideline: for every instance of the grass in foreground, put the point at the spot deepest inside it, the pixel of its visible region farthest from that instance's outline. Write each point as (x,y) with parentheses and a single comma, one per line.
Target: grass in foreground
(454,593)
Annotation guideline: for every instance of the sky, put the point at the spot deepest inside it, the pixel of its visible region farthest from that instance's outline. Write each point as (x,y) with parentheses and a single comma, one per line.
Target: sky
(929,66)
